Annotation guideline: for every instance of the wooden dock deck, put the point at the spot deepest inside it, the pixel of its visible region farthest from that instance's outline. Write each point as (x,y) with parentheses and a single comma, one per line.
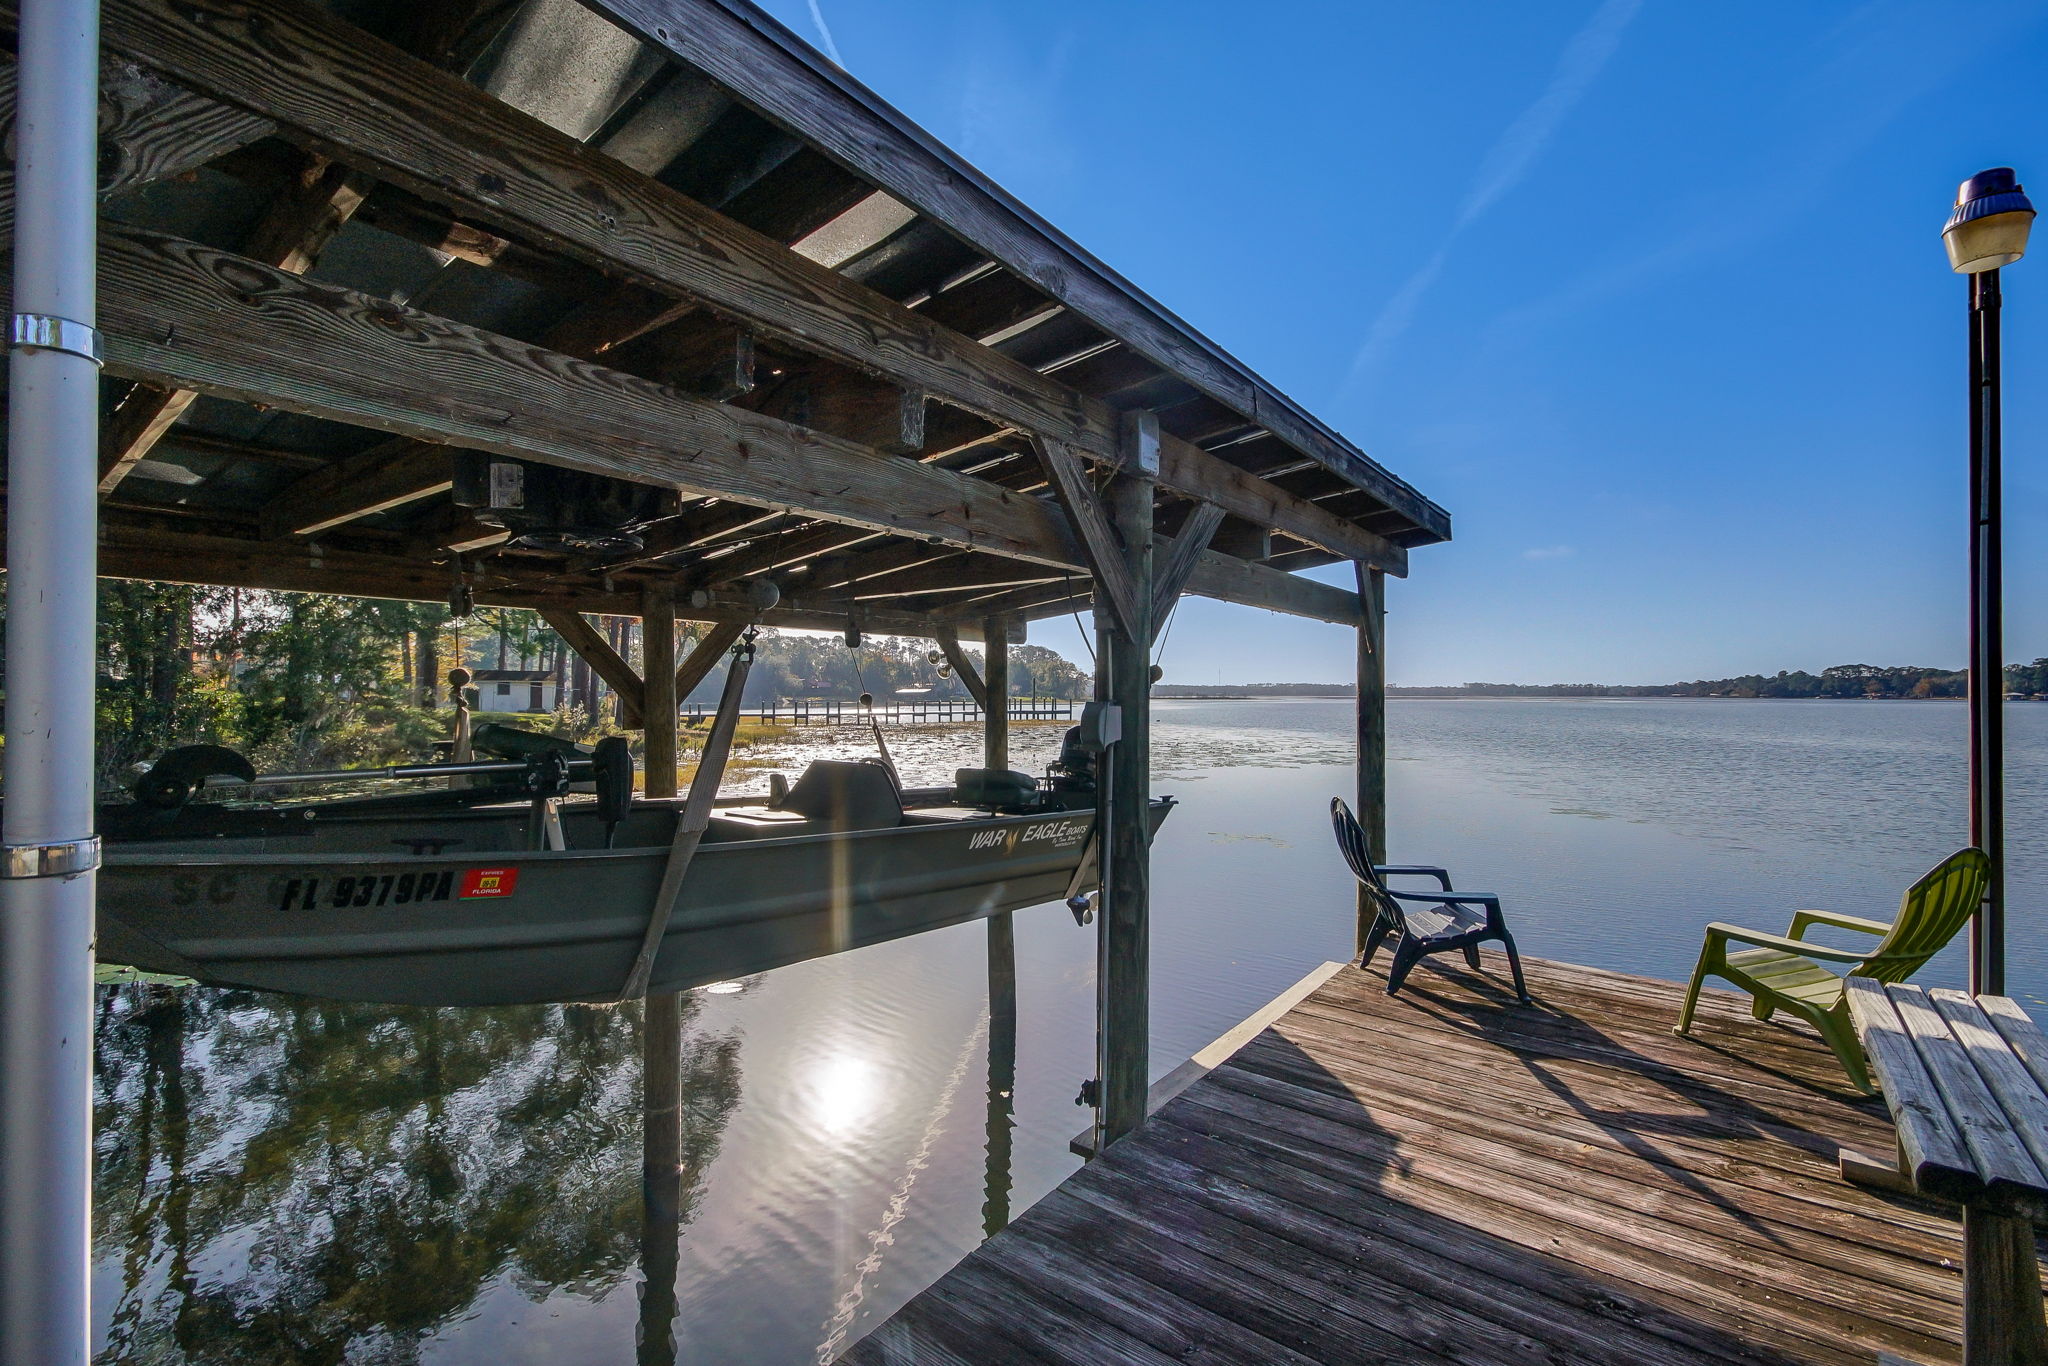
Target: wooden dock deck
(1442,1177)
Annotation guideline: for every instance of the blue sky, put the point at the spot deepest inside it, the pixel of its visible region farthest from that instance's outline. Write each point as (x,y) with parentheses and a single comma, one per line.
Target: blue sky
(1649,294)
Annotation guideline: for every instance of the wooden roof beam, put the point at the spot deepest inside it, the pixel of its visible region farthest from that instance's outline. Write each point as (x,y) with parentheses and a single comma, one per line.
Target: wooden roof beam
(183,315)
(846,403)
(149,549)
(291,235)
(151,129)
(339,88)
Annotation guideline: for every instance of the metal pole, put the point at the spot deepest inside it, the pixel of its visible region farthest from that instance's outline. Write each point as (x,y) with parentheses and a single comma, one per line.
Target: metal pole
(47,882)
(1987,645)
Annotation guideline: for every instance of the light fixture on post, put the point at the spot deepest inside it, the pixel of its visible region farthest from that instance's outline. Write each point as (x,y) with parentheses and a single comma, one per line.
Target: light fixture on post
(1987,230)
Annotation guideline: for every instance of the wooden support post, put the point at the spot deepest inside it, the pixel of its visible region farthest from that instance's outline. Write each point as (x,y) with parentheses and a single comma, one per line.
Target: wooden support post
(661,1172)
(1372,729)
(995,702)
(1124,963)
(994,696)
(2002,1319)
(1002,1069)
(658,679)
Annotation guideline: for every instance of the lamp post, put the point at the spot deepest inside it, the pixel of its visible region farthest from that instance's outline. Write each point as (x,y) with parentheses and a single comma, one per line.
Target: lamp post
(1987,230)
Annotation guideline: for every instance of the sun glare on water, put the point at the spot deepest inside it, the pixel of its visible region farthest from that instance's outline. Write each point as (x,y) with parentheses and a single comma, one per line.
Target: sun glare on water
(843,1090)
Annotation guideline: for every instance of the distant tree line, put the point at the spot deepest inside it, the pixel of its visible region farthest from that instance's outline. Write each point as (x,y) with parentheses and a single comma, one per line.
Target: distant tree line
(1841,681)
(1255,690)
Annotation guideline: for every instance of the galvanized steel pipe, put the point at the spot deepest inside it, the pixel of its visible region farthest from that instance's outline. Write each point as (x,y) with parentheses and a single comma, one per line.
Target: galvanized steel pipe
(47,882)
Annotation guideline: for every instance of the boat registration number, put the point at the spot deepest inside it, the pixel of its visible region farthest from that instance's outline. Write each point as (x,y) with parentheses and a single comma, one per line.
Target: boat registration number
(369,889)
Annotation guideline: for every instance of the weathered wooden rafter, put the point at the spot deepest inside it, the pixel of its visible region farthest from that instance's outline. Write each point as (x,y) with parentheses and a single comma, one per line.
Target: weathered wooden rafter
(152,547)
(318,200)
(949,580)
(797,89)
(188,316)
(846,403)
(1215,575)
(183,316)
(291,235)
(337,88)
(779,550)
(150,130)
(390,474)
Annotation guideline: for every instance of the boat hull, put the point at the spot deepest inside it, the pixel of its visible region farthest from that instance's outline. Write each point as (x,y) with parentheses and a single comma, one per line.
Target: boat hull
(496,928)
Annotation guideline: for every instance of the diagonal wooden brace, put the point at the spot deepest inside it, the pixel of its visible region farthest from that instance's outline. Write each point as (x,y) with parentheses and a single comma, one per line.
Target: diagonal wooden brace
(603,660)
(1172,572)
(1105,552)
(949,641)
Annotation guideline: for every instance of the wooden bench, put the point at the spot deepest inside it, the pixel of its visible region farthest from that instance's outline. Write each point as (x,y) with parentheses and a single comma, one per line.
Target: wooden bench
(1966,1078)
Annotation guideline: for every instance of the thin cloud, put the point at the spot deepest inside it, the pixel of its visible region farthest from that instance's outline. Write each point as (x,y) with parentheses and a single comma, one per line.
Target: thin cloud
(825,32)
(1550,552)
(1506,164)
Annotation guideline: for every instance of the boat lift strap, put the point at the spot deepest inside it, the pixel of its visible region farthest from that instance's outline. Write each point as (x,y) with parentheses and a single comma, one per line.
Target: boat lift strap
(695,818)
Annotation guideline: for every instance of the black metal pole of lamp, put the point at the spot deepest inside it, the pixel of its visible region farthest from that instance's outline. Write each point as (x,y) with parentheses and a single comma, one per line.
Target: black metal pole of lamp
(1987,650)
(1987,230)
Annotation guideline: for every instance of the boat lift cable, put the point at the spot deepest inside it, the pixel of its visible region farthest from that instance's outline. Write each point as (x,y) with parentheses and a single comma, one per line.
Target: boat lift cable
(1086,638)
(1159,651)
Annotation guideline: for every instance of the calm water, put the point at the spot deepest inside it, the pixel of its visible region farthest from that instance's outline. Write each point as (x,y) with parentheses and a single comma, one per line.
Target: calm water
(285,1181)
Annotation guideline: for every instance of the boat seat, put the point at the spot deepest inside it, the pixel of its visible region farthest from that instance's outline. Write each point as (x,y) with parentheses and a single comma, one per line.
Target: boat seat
(844,794)
(758,823)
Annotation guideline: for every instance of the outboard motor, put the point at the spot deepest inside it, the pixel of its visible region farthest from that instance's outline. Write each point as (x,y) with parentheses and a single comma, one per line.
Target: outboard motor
(173,779)
(1074,770)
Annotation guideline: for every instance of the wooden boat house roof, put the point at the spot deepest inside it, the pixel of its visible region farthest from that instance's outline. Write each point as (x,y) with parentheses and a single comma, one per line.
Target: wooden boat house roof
(666,243)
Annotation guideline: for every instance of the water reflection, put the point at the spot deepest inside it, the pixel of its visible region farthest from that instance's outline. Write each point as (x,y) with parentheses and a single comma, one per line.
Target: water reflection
(287,1181)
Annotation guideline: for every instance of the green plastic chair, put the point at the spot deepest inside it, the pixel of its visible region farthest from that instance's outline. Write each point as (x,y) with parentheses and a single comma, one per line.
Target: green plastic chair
(1784,971)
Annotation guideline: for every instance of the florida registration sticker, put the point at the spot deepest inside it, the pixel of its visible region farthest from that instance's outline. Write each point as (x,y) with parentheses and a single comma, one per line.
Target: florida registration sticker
(489,882)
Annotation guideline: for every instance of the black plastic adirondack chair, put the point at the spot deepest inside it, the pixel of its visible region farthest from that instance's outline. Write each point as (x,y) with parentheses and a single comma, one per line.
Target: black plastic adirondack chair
(1422,922)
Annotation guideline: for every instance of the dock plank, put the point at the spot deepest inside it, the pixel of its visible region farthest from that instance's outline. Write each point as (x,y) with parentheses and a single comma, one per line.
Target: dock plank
(1442,1177)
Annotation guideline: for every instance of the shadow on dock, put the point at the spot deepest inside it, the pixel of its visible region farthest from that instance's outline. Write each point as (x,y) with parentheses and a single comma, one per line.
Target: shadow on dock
(1445,1177)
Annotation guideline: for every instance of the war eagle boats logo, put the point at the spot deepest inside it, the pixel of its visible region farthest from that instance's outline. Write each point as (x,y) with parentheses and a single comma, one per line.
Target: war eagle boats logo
(1053,834)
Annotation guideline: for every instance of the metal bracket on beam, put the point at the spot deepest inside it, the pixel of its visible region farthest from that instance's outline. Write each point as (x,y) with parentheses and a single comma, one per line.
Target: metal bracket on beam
(47,332)
(61,859)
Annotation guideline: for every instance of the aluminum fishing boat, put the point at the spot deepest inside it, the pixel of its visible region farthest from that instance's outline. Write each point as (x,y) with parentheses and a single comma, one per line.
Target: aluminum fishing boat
(455,898)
